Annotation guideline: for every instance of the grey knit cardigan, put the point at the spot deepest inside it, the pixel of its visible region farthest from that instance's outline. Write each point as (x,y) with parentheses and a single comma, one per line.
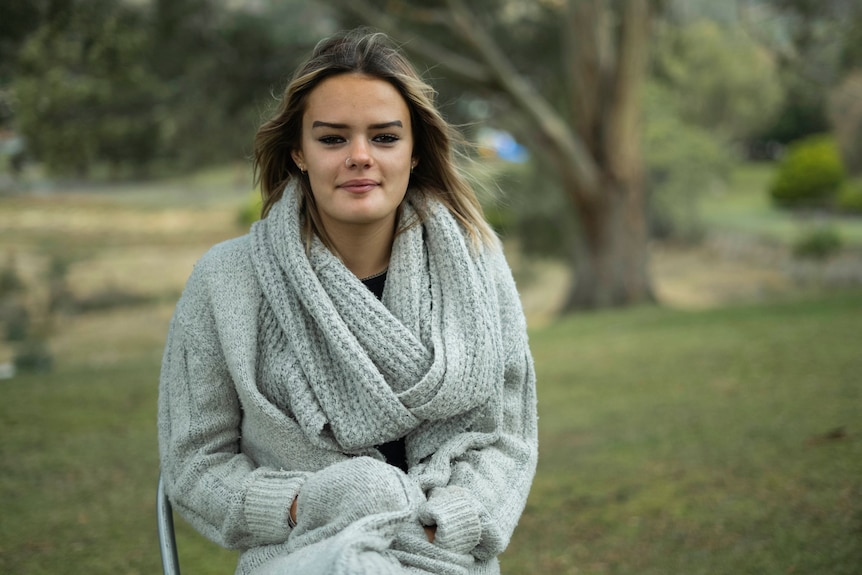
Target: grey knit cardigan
(282,372)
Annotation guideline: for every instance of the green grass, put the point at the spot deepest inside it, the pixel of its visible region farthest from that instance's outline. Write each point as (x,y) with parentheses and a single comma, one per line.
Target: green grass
(745,207)
(676,442)
(671,442)
(78,474)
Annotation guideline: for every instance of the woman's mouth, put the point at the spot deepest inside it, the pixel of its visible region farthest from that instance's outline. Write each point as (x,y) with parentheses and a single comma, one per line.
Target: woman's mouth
(358,186)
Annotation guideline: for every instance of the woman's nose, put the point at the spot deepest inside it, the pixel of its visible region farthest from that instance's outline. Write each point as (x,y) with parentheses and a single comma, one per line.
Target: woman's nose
(360,154)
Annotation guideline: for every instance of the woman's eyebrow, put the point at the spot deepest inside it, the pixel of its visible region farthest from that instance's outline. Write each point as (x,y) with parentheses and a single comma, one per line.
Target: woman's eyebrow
(334,126)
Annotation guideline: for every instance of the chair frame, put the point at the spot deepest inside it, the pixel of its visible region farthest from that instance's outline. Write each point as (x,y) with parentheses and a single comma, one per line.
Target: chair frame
(167,537)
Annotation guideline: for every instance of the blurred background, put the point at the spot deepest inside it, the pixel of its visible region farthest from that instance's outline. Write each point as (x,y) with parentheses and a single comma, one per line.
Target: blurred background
(678,184)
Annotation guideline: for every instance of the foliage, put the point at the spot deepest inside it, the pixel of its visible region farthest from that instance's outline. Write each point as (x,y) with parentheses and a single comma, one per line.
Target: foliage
(744,209)
(136,86)
(845,114)
(818,42)
(722,80)
(83,92)
(231,60)
(17,20)
(107,298)
(249,212)
(24,330)
(683,161)
(849,197)
(33,355)
(818,243)
(544,226)
(809,174)
(527,206)
(712,87)
(823,32)
(10,279)
(501,219)
(14,316)
(802,114)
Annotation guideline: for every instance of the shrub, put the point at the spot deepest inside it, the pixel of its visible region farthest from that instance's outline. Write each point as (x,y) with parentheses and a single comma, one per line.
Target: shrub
(818,243)
(845,114)
(15,319)
(809,174)
(108,298)
(501,217)
(250,210)
(849,198)
(10,280)
(34,355)
(683,161)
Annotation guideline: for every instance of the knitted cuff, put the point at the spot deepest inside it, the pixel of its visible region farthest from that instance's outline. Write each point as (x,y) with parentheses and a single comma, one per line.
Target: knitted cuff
(267,505)
(456,516)
(345,492)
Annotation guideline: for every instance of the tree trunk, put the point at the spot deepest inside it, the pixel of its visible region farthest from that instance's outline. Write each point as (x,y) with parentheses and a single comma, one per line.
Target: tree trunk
(610,256)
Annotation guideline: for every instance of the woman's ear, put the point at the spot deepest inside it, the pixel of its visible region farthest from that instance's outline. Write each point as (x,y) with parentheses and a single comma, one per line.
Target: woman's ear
(299,160)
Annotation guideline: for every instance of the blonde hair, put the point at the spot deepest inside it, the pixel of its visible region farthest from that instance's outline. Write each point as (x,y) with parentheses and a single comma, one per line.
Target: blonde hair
(369,53)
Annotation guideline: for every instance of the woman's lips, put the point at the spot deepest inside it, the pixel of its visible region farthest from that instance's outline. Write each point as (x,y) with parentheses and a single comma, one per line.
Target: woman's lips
(358,186)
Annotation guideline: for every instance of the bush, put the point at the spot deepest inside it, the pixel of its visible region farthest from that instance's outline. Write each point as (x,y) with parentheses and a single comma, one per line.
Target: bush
(683,161)
(845,114)
(250,210)
(810,173)
(15,319)
(501,218)
(818,244)
(33,355)
(849,198)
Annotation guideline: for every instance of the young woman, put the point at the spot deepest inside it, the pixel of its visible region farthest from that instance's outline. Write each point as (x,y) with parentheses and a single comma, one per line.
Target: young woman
(348,388)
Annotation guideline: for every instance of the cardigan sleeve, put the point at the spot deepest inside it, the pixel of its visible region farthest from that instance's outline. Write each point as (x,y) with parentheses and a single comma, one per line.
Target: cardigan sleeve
(477,511)
(214,486)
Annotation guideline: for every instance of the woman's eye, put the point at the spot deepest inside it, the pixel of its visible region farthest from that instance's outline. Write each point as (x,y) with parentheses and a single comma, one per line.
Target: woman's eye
(386,139)
(331,140)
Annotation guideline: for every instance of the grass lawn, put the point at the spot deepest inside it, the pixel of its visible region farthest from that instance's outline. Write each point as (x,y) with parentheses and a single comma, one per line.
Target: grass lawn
(671,442)
(699,442)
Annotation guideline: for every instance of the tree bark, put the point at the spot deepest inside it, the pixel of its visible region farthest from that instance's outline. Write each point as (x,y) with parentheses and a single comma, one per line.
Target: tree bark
(610,259)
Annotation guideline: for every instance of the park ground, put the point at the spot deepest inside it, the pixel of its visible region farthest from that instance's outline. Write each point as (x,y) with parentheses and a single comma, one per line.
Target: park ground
(718,432)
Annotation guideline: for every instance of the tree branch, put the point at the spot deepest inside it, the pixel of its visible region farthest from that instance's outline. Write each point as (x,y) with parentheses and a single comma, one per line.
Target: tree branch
(575,160)
(587,66)
(623,136)
(460,66)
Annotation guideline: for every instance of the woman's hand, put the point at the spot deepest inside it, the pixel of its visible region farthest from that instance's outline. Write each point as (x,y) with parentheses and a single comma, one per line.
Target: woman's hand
(430,532)
(292,511)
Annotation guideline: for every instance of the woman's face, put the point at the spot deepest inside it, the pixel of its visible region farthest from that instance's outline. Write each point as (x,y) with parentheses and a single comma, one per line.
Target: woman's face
(357,146)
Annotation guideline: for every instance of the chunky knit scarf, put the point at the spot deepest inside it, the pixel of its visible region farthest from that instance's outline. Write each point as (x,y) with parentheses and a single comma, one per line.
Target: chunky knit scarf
(424,362)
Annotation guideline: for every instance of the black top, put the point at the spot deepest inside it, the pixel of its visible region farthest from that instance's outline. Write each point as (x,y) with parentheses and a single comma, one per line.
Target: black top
(376,283)
(394,451)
